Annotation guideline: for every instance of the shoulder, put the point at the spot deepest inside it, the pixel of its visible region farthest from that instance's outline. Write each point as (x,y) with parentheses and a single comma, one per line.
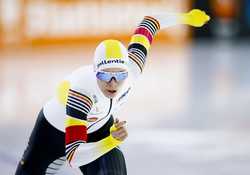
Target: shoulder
(79,83)
(80,76)
(81,73)
(82,81)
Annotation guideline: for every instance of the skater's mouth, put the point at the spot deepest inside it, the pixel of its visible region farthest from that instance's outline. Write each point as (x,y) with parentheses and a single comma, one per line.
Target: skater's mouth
(112,91)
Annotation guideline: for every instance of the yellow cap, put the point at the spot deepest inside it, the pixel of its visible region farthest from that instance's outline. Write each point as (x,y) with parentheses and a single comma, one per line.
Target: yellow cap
(111,54)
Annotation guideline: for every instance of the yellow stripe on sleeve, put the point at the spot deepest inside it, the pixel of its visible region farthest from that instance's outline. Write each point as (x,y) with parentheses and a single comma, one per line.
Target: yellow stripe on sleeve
(62,92)
(141,39)
(70,121)
(108,144)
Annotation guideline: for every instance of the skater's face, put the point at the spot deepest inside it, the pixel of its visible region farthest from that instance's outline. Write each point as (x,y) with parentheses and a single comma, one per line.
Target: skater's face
(110,81)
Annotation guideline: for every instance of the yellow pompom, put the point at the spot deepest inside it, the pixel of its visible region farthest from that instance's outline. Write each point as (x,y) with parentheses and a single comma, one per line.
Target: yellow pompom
(195,17)
(62,92)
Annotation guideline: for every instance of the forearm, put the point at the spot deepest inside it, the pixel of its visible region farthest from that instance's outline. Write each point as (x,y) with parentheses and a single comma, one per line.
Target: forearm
(147,29)
(195,18)
(88,152)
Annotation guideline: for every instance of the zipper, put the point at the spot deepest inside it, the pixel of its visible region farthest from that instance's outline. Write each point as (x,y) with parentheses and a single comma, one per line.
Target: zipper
(110,107)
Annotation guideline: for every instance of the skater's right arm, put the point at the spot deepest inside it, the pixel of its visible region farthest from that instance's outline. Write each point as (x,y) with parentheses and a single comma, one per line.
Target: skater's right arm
(78,151)
(77,108)
(89,152)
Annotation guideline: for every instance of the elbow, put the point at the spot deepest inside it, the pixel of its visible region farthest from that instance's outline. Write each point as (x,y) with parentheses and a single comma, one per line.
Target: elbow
(76,163)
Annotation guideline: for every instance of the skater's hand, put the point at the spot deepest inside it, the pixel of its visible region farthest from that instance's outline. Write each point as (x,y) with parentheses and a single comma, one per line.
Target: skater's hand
(119,131)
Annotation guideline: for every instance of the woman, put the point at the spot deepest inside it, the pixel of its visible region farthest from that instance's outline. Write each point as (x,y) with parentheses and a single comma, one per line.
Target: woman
(77,125)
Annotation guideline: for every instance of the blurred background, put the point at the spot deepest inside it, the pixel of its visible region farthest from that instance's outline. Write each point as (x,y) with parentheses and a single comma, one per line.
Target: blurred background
(195,116)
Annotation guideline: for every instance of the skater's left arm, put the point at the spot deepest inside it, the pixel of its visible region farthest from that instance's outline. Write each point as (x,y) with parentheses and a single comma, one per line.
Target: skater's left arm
(147,29)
